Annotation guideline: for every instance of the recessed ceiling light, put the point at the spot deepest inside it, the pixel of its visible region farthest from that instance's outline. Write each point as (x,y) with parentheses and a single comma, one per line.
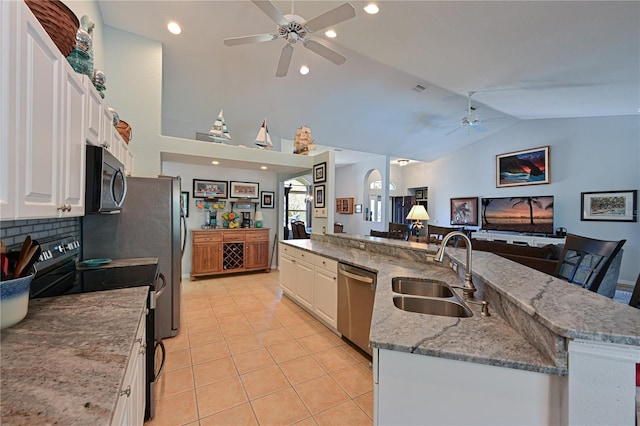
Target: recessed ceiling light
(263,167)
(331,34)
(174,28)
(372,8)
(403,163)
(215,163)
(304,70)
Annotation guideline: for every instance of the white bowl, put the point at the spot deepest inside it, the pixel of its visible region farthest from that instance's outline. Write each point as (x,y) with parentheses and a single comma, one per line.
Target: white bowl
(14,300)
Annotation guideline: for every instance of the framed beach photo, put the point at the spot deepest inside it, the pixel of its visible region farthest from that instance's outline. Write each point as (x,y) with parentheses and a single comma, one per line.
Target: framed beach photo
(244,189)
(184,203)
(464,211)
(267,199)
(610,206)
(320,173)
(528,167)
(210,188)
(318,196)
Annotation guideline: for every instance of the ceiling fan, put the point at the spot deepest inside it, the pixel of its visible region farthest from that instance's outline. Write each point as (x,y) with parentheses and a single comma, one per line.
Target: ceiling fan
(294,28)
(471,120)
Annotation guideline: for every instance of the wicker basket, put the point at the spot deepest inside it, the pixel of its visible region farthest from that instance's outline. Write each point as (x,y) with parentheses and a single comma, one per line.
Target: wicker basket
(125,130)
(58,21)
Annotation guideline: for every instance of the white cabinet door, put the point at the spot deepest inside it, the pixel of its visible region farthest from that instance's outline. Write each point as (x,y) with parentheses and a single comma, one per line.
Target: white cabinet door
(38,123)
(106,124)
(72,143)
(94,113)
(287,274)
(130,162)
(326,296)
(131,402)
(7,110)
(304,282)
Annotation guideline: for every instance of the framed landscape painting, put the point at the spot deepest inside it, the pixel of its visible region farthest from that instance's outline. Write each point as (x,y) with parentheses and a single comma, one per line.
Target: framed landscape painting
(244,189)
(528,167)
(610,206)
(209,188)
(464,211)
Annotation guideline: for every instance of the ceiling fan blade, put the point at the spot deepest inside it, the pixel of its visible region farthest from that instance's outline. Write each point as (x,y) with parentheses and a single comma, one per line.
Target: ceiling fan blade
(271,11)
(479,128)
(485,120)
(454,130)
(332,17)
(235,41)
(324,51)
(285,60)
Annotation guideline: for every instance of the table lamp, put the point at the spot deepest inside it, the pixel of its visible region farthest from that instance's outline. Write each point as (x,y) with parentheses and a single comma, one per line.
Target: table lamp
(418,213)
(259,218)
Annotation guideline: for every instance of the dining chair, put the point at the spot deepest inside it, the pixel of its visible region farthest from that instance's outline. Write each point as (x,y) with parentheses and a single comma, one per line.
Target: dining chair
(635,295)
(437,233)
(295,230)
(585,261)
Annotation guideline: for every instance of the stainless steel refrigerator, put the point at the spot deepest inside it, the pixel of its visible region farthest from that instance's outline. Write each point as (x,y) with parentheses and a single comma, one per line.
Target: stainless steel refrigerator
(149,225)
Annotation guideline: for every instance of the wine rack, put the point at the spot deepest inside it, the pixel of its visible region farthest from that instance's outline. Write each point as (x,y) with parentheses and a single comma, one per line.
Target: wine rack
(233,256)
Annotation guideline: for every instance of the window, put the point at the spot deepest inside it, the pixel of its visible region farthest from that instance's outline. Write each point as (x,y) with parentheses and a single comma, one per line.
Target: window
(378,185)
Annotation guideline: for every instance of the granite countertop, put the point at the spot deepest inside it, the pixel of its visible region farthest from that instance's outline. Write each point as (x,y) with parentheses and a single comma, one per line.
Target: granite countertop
(65,362)
(486,340)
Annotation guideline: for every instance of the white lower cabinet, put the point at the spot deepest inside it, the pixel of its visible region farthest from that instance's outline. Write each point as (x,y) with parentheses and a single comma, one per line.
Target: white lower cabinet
(131,402)
(420,389)
(311,281)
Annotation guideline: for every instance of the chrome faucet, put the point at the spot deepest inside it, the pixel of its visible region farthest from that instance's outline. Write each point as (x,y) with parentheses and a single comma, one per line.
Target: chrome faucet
(469,289)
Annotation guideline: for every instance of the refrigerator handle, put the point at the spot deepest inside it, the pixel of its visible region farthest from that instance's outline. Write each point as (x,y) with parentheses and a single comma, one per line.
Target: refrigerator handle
(184,236)
(163,286)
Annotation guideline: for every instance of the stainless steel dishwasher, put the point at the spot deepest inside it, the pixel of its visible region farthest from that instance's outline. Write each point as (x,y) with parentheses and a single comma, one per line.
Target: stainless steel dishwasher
(356,291)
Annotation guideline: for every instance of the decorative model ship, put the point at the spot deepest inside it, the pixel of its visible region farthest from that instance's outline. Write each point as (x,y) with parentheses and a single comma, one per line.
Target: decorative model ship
(303,143)
(263,140)
(219,132)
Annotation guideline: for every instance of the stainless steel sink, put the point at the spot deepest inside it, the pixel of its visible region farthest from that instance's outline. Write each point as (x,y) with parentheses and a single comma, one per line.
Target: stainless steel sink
(442,307)
(421,287)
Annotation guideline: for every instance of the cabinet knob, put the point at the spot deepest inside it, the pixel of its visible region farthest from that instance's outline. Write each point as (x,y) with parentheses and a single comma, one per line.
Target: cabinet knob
(126,392)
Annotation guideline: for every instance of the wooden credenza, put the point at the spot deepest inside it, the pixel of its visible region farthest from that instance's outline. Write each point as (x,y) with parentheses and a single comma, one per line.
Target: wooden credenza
(224,251)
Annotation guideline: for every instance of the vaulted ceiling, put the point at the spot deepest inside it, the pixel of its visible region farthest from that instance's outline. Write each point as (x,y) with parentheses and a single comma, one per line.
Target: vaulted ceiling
(524,59)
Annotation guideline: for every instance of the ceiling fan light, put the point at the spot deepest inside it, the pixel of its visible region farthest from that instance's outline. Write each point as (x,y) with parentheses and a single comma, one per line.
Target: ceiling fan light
(403,162)
(372,8)
(174,28)
(304,70)
(331,34)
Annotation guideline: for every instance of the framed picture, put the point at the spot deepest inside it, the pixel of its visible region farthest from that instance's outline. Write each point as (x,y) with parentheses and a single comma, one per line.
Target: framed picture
(267,199)
(320,173)
(318,196)
(610,206)
(184,203)
(464,211)
(244,189)
(210,188)
(528,167)
(358,208)
(419,194)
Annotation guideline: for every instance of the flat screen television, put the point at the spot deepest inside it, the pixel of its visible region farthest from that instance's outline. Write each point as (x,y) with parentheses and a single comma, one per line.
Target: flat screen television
(527,215)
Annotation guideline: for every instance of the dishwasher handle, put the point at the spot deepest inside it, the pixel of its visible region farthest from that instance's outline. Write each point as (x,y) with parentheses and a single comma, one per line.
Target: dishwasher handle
(366,280)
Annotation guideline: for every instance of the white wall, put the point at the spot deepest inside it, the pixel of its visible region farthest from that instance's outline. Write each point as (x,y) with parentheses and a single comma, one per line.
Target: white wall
(351,182)
(587,154)
(267,181)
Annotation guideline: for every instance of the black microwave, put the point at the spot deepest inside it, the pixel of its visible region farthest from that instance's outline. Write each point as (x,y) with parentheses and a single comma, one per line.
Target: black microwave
(106,185)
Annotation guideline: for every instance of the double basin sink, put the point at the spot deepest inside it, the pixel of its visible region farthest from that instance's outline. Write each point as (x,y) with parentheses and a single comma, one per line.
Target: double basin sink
(427,296)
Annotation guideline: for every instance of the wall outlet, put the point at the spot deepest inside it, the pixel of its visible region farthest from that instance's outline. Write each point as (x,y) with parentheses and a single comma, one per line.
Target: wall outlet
(361,246)
(453,266)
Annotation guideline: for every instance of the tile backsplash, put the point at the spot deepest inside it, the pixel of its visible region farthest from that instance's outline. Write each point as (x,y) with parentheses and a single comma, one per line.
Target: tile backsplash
(13,232)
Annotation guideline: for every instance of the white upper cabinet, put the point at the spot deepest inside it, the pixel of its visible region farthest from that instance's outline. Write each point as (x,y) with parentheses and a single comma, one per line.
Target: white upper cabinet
(46,129)
(94,113)
(7,113)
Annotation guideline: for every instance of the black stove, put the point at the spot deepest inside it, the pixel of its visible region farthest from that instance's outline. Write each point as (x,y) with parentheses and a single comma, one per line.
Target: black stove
(57,274)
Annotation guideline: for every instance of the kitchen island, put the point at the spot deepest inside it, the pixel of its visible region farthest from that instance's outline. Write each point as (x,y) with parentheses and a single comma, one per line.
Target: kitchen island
(65,362)
(538,323)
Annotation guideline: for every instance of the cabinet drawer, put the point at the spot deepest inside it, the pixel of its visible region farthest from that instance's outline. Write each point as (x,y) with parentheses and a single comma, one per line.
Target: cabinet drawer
(257,236)
(297,253)
(326,263)
(233,236)
(206,237)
